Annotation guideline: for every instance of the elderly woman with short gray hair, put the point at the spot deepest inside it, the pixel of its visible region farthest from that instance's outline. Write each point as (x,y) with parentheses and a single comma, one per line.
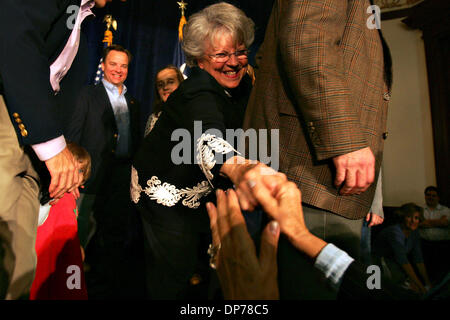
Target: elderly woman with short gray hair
(178,167)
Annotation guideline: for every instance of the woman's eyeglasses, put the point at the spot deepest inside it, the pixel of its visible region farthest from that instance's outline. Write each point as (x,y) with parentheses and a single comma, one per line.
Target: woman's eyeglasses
(224,56)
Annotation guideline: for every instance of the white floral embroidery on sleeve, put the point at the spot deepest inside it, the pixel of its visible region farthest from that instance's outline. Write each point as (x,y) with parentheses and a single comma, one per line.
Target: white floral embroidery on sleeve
(167,194)
(193,195)
(135,188)
(207,144)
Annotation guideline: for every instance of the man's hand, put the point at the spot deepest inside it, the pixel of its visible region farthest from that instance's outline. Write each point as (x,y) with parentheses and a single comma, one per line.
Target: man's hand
(64,172)
(242,275)
(374,219)
(356,169)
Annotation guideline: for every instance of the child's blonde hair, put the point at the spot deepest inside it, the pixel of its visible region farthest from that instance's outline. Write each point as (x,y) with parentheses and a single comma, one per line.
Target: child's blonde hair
(83,157)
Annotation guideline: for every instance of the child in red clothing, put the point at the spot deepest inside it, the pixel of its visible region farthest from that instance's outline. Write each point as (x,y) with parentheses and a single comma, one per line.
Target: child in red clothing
(59,270)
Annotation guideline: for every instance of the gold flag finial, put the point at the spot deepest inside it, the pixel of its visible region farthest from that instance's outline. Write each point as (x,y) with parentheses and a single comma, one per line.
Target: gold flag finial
(182,6)
(110,22)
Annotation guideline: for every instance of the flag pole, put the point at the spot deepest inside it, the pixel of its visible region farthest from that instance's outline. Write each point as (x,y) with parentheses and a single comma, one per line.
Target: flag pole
(179,58)
(182,6)
(107,41)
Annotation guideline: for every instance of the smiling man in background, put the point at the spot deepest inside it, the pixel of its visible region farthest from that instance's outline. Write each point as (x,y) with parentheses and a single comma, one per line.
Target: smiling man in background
(106,122)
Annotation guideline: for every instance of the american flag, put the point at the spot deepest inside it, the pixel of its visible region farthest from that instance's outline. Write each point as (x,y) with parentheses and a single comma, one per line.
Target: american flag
(179,60)
(99,73)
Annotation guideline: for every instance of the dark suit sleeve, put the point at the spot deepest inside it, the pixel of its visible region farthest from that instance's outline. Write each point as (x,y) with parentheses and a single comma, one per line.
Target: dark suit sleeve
(354,286)
(309,35)
(135,125)
(77,119)
(85,129)
(25,69)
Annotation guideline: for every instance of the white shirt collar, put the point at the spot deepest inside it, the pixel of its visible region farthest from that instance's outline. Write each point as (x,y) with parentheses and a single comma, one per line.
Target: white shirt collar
(112,88)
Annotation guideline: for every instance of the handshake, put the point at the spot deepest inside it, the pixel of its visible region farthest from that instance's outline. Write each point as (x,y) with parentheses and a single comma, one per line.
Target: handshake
(241,273)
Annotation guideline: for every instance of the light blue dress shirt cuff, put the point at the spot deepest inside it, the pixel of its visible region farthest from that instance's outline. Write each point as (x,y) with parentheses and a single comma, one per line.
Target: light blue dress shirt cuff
(333,262)
(49,149)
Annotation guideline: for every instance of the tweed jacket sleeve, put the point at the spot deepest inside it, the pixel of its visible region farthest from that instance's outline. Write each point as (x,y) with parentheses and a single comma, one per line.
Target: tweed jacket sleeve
(310,47)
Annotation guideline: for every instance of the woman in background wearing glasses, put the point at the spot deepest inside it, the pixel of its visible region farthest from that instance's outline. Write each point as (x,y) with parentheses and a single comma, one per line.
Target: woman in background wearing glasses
(178,166)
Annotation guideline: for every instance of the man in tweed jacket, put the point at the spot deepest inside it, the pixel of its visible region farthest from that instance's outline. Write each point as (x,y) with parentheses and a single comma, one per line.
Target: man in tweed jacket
(323,80)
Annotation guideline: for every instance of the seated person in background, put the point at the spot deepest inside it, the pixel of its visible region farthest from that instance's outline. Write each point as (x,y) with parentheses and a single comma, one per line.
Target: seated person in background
(245,276)
(167,81)
(58,246)
(397,247)
(435,235)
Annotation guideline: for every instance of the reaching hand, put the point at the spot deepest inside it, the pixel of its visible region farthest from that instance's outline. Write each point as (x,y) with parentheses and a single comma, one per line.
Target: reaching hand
(242,275)
(356,169)
(284,204)
(65,175)
(240,171)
